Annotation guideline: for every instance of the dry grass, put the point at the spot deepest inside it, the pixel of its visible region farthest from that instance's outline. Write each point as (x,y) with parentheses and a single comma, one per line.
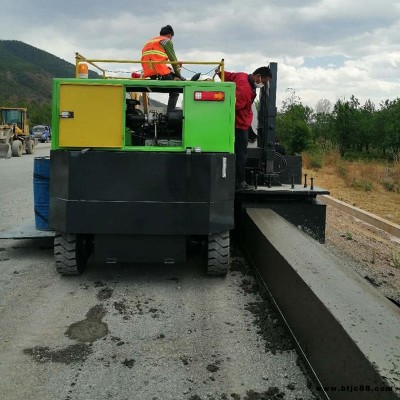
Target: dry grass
(371,186)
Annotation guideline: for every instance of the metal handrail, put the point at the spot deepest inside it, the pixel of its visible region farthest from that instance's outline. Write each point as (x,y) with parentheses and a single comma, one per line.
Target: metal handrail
(93,62)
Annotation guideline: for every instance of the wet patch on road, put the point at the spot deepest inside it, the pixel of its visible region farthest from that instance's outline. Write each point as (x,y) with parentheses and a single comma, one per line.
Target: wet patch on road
(128,363)
(72,354)
(155,312)
(249,287)
(104,294)
(212,368)
(270,327)
(267,320)
(185,360)
(121,307)
(128,308)
(272,393)
(117,340)
(239,264)
(91,328)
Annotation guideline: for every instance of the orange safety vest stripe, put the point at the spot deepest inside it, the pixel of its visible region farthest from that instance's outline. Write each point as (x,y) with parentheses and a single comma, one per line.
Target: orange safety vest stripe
(153,51)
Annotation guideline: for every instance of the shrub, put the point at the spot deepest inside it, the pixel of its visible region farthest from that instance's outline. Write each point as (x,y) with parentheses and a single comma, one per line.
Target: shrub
(331,157)
(316,162)
(348,235)
(389,186)
(342,169)
(316,157)
(373,155)
(360,184)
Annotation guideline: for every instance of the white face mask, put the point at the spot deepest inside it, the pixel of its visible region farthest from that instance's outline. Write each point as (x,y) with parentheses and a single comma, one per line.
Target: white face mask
(258,85)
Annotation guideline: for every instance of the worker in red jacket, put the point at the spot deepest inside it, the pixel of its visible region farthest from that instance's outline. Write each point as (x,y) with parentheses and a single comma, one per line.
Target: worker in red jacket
(246,85)
(161,48)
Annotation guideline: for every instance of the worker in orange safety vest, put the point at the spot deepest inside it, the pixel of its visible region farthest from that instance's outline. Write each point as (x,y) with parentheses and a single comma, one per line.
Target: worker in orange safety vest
(159,49)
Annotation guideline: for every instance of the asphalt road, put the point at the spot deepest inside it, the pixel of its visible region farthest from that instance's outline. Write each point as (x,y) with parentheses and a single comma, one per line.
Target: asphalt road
(131,331)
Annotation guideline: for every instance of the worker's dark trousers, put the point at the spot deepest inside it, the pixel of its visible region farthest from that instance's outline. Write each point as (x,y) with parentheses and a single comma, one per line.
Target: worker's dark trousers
(173,96)
(172,100)
(241,140)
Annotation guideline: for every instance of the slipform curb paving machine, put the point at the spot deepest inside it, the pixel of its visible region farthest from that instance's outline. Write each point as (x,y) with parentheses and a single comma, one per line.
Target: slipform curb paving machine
(131,182)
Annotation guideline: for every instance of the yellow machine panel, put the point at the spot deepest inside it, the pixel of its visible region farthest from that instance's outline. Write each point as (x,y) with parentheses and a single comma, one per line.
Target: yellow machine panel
(91,115)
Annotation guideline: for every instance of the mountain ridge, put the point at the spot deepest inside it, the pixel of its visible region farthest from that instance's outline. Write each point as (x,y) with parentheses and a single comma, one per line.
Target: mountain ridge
(26,72)
(26,75)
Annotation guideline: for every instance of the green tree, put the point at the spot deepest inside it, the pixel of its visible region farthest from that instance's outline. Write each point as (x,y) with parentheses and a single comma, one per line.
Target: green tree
(39,114)
(293,123)
(346,123)
(367,125)
(300,137)
(322,122)
(389,125)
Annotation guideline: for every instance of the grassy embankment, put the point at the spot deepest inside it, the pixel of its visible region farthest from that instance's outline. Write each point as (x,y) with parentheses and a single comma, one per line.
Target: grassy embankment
(371,185)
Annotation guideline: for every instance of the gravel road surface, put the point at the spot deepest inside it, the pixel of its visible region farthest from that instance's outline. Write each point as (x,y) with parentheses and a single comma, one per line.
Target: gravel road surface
(132,331)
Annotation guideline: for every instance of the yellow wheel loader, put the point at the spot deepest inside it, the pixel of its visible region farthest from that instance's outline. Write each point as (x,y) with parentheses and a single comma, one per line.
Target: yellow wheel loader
(15,139)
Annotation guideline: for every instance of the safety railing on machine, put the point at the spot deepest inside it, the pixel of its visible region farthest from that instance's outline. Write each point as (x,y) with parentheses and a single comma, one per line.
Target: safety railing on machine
(82,69)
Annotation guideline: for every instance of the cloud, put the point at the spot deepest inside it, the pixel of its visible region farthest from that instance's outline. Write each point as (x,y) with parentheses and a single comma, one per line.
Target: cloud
(324,48)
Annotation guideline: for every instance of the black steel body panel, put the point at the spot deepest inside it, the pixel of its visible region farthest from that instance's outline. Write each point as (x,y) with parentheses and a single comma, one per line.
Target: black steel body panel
(139,248)
(287,169)
(118,192)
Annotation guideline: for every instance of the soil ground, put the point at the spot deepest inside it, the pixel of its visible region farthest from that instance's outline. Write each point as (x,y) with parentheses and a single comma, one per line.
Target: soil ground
(375,253)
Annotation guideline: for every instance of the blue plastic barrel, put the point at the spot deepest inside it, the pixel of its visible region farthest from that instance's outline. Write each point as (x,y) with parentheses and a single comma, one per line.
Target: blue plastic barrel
(41,178)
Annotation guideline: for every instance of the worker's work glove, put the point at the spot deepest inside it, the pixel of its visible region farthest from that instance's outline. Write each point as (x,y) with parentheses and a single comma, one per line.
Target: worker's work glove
(252,136)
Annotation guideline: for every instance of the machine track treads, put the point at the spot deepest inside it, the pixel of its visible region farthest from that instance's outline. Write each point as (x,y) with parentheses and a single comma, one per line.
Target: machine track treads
(218,254)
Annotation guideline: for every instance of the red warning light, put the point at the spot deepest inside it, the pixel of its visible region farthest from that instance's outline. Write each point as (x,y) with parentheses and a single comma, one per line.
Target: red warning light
(209,96)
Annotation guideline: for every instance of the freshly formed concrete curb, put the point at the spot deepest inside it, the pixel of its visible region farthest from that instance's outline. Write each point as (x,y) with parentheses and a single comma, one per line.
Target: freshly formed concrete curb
(365,216)
(348,330)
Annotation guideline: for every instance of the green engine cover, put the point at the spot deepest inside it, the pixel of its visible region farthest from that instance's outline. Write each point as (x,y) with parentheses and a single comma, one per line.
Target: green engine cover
(90,113)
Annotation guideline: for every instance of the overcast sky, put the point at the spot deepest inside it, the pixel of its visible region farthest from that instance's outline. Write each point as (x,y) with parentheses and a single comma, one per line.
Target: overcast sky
(325,49)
